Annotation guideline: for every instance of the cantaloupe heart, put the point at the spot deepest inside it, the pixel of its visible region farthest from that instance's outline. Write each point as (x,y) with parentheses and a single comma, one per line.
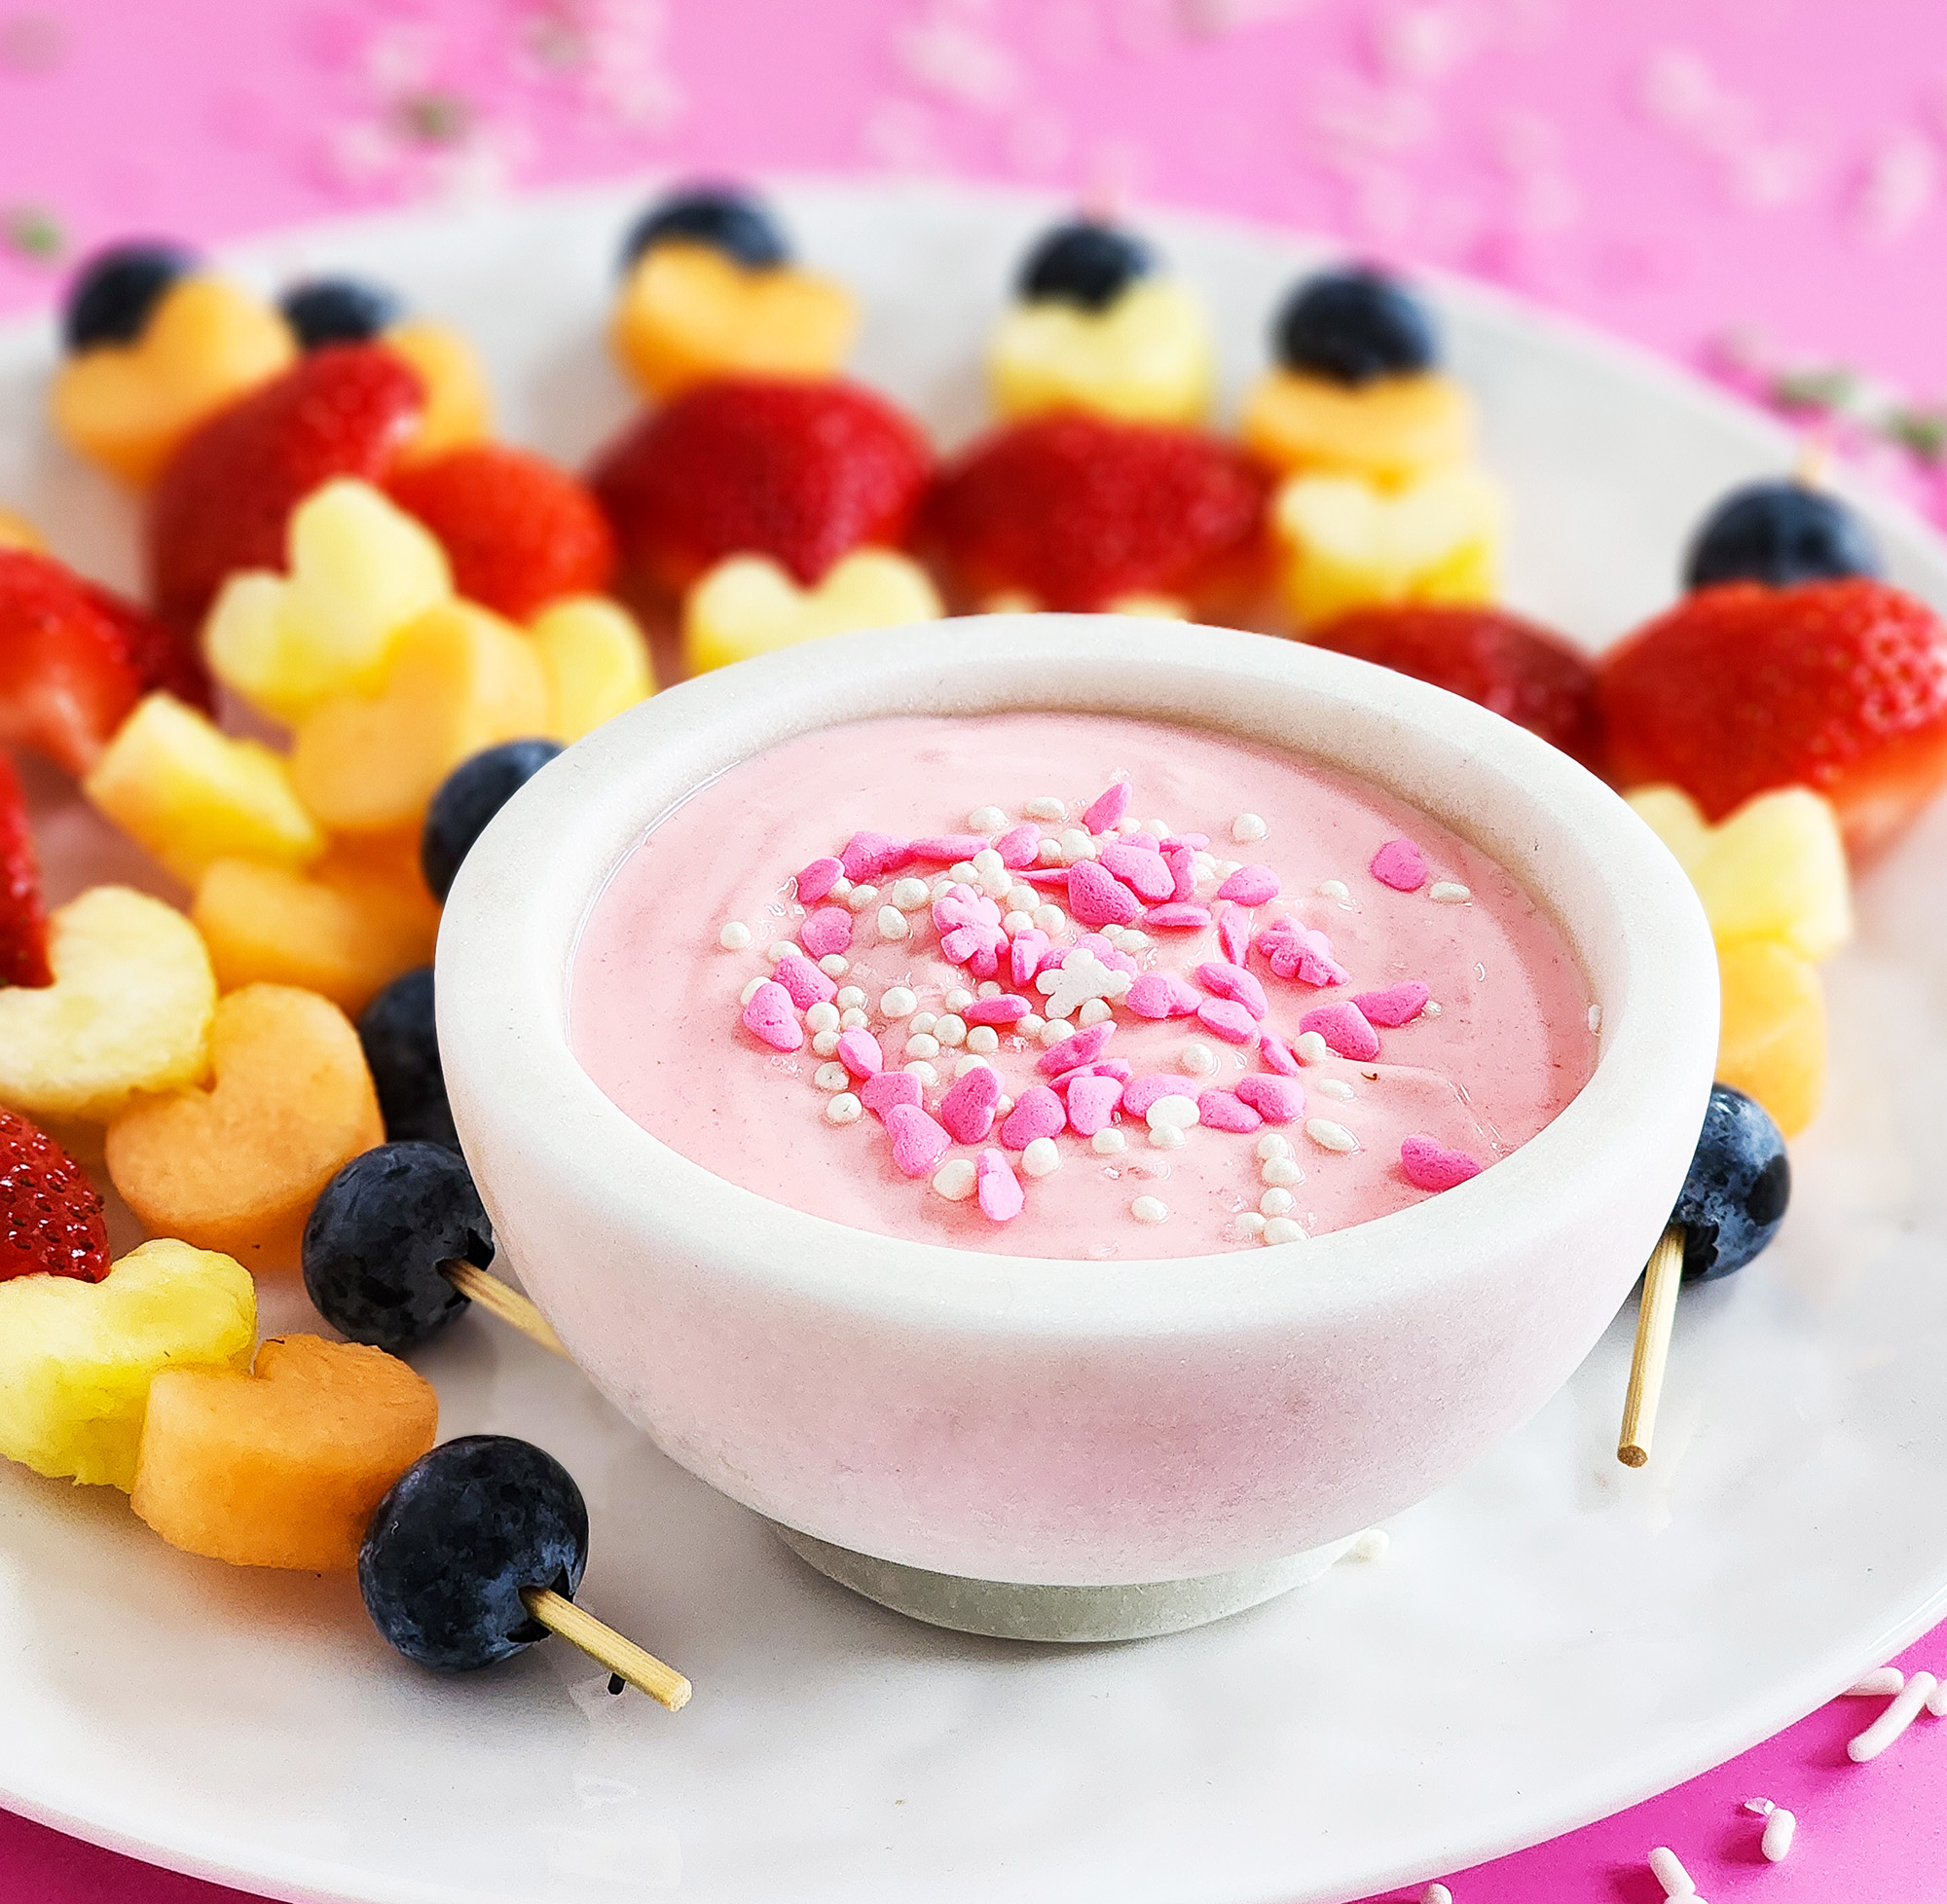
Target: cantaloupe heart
(77,1359)
(129,405)
(1389,431)
(237,1167)
(459,406)
(749,604)
(282,1467)
(1774,869)
(1145,357)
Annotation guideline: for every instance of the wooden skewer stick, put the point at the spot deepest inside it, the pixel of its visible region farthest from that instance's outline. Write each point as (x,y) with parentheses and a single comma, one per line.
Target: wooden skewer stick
(503,1301)
(623,1658)
(1661,1281)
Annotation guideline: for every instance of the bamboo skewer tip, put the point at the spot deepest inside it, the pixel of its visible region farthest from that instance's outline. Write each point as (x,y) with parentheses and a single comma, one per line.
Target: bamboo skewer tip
(1662,1279)
(502,1299)
(624,1659)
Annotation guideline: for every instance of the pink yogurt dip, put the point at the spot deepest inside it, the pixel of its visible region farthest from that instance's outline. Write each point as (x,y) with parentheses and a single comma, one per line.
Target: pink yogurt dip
(657,1017)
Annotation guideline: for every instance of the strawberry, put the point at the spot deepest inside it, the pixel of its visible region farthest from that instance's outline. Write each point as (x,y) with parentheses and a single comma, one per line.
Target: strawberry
(222,499)
(67,678)
(51,1220)
(24,921)
(1080,510)
(1511,666)
(519,532)
(1836,685)
(803,472)
(163,657)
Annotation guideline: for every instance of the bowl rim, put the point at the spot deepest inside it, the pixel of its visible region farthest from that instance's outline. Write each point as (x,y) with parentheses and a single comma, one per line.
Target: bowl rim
(524,893)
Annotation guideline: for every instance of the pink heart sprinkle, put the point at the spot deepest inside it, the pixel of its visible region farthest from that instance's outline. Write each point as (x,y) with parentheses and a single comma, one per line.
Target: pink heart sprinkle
(1226,1110)
(967,1109)
(1276,1100)
(1428,1166)
(918,1142)
(1091,1103)
(1396,1004)
(1180,918)
(1343,1028)
(1037,1113)
(1233,934)
(872,856)
(806,984)
(818,879)
(827,930)
(1002,1010)
(1098,899)
(1229,982)
(1225,1018)
(1161,995)
(1024,955)
(943,849)
(1400,864)
(1139,869)
(1276,1054)
(1181,865)
(770,1016)
(1044,876)
(1142,1092)
(1197,842)
(1079,1050)
(858,1052)
(1251,886)
(1107,807)
(1020,848)
(880,1093)
(997,1187)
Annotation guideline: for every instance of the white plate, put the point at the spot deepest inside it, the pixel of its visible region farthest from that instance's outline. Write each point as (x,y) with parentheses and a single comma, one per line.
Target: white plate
(1550,1639)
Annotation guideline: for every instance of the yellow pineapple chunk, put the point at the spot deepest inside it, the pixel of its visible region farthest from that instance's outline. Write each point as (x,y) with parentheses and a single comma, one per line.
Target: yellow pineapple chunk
(458,407)
(748,604)
(1771,1042)
(1145,357)
(596,661)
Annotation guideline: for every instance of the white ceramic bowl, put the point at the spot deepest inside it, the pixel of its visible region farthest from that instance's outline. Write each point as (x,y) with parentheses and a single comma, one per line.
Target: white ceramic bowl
(1073,1422)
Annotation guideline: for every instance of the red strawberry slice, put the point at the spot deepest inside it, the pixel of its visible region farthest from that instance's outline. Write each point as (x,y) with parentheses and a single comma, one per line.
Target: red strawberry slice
(24,920)
(1077,511)
(163,657)
(67,678)
(801,472)
(50,1221)
(1836,685)
(1518,670)
(223,497)
(519,532)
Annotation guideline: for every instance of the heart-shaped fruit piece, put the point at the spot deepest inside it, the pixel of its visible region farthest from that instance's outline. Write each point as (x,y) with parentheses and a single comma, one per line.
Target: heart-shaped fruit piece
(192,794)
(1389,432)
(361,569)
(1771,1039)
(129,1010)
(235,1166)
(282,1467)
(749,605)
(459,406)
(76,1358)
(596,661)
(1348,544)
(1144,356)
(459,679)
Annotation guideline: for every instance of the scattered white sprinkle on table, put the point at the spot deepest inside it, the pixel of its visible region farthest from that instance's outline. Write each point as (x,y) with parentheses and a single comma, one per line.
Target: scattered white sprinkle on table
(955,1179)
(1283,1230)
(1667,1869)
(1448,891)
(1370,1545)
(1149,1209)
(1780,1829)
(844,1108)
(1041,1158)
(1436,1894)
(1248,828)
(1328,1136)
(1893,1721)
(1936,1703)
(1883,1682)
(735,935)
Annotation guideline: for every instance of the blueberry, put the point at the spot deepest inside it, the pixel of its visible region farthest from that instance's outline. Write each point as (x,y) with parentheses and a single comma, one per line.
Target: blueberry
(468,798)
(717,215)
(1084,264)
(463,1532)
(1740,1183)
(377,1236)
(339,311)
(402,1051)
(114,292)
(1353,327)
(1780,534)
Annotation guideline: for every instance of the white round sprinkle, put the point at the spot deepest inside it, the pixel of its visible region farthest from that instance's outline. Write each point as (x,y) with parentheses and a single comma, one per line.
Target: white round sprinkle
(734,937)
(1045,806)
(962,1065)
(1168,1137)
(1310,1047)
(1040,1159)
(1076,845)
(1448,891)
(1278,1203)
(844,1108)
(1435,1894)
(922,1045)
(1021,898)
(834,964)
(1328,1136)
(850,1018)
(1015,923)
(910,894)
(986,863)
(1334,890)
(898,1003)
(1149,1209)
(1431,1009)
(780,948)
(1196,1058)
(922,1070)
(822,1017)
(987,820)
(1003,1105)
(955,1179)
(940,887)
(1174,1109)
(831,1077)
(983,1038)
(839,889)
(1054,1031)
(1092,1013)
(962,873)
(1049,919)
(1224,869)
(1107,1143)
(825,1043)
(1129,823)
(893,923)
(862,897)
(922,1021)
(1135,941)
(1029,1024)
(990,988)
(1370,1545)
(1594,1016)
(1283,1230)
(1282,1172)
(958,999)
(1779,1830)
(1272,1145)
(1666,1868)
(1049,852)
(1335,1087)
(1248,828)
(1160,830)
(749,990)
(848,996)
(1250,1224)
(951,1029)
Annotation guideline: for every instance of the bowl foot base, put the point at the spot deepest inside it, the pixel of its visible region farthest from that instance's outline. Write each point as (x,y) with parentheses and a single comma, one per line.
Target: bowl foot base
(1005,1610)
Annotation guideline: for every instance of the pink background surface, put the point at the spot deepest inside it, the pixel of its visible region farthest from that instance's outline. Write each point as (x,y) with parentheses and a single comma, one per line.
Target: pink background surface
(1676,170)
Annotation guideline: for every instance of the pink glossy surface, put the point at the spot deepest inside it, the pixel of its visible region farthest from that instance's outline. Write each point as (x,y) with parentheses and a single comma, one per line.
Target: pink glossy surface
(656,1022)
(1671,169)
